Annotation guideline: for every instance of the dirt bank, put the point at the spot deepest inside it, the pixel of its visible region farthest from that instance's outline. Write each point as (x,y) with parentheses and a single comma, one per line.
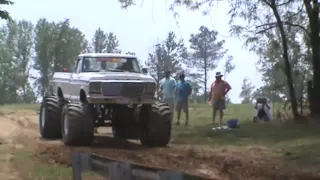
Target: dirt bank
(19,129)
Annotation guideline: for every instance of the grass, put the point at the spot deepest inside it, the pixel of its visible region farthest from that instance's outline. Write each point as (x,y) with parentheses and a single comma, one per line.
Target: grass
(294,143)
(31,168)
(34,107)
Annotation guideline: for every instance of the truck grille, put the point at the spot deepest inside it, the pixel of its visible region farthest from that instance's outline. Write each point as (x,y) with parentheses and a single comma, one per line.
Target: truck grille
(112,89)
(131,90)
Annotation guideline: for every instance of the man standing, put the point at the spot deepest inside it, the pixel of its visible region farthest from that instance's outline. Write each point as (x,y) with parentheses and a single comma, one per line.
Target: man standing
(183,92)
(167,87)
(218,91)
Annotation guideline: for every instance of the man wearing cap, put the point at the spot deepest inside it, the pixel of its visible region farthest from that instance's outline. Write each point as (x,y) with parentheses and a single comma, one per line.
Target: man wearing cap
(218,91)
(167,87)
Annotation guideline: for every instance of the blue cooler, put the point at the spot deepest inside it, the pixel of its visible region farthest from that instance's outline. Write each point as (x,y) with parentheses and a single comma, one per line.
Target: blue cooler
(233,123)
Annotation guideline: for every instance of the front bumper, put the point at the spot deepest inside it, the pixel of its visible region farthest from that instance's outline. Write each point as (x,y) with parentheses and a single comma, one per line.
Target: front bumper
(100,99)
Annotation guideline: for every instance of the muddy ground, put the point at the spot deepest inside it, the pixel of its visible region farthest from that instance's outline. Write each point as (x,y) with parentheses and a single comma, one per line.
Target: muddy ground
(19,130)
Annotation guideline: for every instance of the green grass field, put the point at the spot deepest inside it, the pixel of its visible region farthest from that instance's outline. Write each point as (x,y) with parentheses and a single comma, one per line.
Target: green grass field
(293,143)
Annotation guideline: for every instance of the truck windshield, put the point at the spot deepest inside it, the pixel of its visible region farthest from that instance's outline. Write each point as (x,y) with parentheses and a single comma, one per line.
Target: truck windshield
(113,64)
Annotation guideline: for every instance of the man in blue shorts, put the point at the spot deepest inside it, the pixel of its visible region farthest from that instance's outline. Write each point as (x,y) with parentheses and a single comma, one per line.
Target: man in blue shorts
(183,91)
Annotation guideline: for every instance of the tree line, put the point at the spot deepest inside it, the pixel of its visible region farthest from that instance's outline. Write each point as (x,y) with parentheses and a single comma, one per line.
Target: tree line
(283,33)
(286,36)
(47,47)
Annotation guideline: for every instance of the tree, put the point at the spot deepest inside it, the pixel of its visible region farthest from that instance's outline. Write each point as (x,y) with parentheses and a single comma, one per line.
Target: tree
(228,66)
(44,49)
(206,51)
(56,46)
(3,13)
(166,56)
(69,42)
(313,39)
(246,91)
(8,88)
(20,44)
(103,42)
(267,91)
(258,14)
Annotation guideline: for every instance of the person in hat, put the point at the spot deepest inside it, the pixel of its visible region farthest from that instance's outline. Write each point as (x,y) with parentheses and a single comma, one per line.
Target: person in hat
(218,91)
(167,88)
(183,91)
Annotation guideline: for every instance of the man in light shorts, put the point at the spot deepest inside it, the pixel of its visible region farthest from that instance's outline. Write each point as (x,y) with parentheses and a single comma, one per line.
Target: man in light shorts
(218,91)
(167,86)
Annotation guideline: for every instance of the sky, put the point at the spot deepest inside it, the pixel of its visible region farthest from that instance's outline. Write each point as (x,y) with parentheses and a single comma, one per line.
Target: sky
(140,27)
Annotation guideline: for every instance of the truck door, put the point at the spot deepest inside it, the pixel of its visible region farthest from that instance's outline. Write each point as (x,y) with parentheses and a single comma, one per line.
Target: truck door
(74,81)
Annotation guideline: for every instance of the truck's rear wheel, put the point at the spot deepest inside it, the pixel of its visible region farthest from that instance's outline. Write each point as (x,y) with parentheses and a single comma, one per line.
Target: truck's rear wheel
(50,117)
(156,127)
(77,125)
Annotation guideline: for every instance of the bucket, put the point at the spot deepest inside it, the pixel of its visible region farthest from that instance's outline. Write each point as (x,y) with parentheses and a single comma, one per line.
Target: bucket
(233,123)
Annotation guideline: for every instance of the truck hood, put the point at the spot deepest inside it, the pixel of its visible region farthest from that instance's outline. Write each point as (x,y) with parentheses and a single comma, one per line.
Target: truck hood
(92,76)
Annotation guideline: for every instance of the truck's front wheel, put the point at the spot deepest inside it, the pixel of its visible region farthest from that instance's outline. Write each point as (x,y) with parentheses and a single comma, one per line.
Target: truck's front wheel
(156,125)
(49,119)
(77,125)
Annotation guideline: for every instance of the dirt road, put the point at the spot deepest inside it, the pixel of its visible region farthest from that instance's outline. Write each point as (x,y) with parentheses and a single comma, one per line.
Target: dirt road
(19,130)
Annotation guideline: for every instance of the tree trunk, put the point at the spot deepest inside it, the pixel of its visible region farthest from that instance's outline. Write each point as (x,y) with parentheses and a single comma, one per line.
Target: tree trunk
(310,91)
(313,14)
(302,85)
(205,77)
(285,55)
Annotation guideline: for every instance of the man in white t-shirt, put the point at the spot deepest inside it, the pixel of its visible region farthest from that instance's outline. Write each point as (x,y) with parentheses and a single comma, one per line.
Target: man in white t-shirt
(167,87)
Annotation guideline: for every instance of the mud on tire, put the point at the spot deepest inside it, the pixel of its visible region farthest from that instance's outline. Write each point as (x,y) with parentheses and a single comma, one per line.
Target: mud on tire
(77,125)
(157,128)
(49,119)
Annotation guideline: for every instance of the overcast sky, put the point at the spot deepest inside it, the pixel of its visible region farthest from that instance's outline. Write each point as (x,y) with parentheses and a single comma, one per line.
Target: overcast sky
(139,28)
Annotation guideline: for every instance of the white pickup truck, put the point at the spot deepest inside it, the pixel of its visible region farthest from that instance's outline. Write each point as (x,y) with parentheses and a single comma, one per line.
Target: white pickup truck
(104,89)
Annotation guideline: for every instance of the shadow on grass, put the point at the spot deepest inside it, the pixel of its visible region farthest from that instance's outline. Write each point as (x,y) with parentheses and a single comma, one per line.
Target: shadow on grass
(249,134)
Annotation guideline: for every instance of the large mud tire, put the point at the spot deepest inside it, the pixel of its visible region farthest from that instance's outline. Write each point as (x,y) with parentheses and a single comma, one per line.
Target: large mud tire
(157,128)
(77,125)
(50,118)
(123,125)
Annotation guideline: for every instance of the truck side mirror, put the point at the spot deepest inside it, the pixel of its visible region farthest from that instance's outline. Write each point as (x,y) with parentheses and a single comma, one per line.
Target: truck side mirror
(65,70)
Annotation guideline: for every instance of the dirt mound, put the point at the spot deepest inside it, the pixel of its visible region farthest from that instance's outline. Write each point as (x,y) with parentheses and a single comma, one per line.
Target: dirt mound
(12,123)
(171,158)
(205,164)
(21,127)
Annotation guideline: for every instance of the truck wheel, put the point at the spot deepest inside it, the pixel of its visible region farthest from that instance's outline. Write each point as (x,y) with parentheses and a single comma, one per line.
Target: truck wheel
(123,123)
(156,127)
(50,118)
(77,125)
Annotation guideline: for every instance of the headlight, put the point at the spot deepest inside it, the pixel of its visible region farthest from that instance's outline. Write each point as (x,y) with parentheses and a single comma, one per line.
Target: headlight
(95,87)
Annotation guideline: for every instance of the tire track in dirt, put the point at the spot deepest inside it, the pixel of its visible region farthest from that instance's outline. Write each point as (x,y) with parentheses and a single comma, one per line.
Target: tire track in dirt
(20,129)
(11,126)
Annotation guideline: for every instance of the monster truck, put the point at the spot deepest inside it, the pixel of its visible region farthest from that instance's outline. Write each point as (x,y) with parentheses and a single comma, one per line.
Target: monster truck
(104,89)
